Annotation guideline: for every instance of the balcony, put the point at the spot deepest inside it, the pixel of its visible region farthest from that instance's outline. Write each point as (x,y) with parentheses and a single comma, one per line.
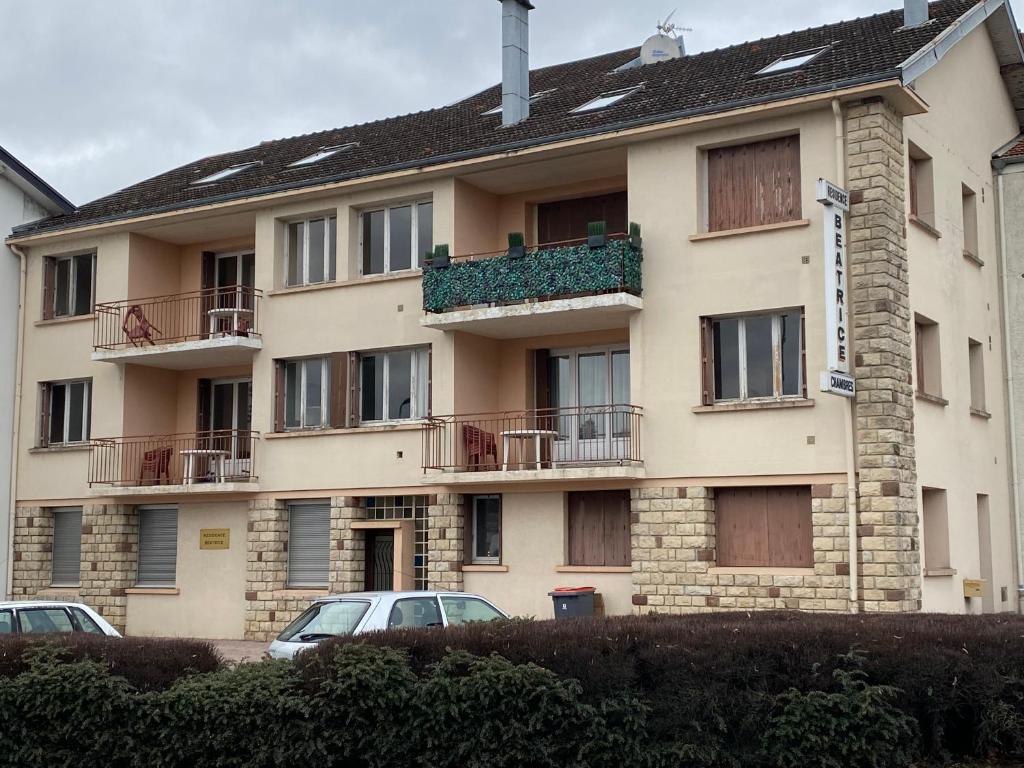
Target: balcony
(220,461)
(580,443)
(571,284)
(210,328)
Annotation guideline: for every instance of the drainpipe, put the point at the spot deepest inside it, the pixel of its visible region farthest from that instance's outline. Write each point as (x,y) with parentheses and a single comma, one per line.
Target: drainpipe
(13,497)
(851,445)
(1010,410)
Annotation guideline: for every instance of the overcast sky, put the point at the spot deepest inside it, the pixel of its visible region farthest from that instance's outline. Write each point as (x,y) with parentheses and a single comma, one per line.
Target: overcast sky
(99,95)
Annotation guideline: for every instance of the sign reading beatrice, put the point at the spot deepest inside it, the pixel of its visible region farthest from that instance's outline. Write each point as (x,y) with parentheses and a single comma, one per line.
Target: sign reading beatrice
(837,202)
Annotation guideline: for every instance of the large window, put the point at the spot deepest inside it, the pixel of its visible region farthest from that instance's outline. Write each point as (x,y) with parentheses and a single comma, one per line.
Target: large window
(396,238)
(158,546)
(753,357)
(599,528)
(764,527)
(65,412)
(309,544)
(394,385)
(307,387)
(753,185)
(68,285)
(311,251)
(67,547)
(485,521)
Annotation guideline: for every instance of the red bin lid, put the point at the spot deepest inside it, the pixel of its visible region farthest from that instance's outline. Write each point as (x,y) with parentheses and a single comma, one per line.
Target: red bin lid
(575,589)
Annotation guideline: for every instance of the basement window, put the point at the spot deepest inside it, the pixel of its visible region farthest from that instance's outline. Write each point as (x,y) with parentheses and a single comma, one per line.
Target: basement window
(792,61)
(323,153)
(606,99)
(227,172)
(533,100)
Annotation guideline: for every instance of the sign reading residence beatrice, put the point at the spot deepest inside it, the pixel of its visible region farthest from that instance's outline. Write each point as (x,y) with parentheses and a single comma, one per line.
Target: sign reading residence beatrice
(214,538)
(837,379)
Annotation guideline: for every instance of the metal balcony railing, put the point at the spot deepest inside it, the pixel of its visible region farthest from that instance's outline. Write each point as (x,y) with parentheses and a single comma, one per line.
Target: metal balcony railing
(549,438)
(207,314)
(218,456)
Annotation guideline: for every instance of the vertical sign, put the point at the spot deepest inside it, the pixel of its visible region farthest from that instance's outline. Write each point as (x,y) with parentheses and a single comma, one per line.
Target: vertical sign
(837,203)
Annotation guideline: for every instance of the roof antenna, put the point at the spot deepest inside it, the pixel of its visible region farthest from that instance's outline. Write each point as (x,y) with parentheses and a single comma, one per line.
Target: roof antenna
(664,45)
(670,29)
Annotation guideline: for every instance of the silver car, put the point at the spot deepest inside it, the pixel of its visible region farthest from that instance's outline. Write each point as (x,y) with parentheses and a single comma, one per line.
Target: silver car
(359,612)
(46,616)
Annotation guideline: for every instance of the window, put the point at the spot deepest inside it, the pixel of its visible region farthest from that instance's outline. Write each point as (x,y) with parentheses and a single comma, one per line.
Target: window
(599,528)
(158,547)
(395,239)
(415,612)
(311,251)
(485,513)
(44,620)
(309,544)
(463,610)
(976,360)
(394,386)
(753,185)
(969,204)
(325,619)
(6,622)
(792,61)
(323,154)
(68,285)
(753,357)
(307,393)
(922,188)
(67,547)
(927,361)
(764,526)
(935,525)
(65,412)
(533,100)
(606,99)
(86,622)
(226,173)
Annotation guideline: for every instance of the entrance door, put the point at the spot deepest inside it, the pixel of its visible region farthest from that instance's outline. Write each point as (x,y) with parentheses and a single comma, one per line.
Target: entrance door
(231,422)
(233,304)
(380,561)
(588,388)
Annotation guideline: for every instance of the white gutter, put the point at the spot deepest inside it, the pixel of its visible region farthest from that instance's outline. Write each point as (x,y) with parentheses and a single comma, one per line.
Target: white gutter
(1016,518)
(13,496)
(848,411)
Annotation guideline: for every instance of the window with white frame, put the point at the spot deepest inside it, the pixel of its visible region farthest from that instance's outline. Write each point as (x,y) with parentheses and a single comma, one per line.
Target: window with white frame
(394,385)
(307,387)
(754,357)
(395,238)
(66,412)
(68,285)
(311,251)
(486,530)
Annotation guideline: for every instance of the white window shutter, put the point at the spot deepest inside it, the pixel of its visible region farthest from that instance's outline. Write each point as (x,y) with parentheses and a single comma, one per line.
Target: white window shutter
(67,547)
(309,544)
(158,546)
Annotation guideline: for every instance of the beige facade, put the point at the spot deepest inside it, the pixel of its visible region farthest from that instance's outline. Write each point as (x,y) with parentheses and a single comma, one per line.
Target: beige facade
(672,462)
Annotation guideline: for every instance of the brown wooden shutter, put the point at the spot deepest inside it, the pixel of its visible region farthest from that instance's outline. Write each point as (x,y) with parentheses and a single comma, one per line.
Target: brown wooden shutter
(339,389)
(617,545)
(279,395)
(567,219)
(44,414)
(707,361)
(542,395)
(354,391)
(741,527)
(209,275)
(599,528)
(803,353)
(49,286)
(790,537)
(209,282)
(204,405)
(754,184)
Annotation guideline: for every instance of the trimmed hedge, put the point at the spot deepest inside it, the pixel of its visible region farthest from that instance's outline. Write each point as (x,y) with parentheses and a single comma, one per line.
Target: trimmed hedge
(762,690)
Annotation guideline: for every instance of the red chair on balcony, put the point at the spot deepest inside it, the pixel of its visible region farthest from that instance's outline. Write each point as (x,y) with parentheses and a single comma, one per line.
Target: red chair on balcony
(141,330)
(156,466)
(479,445)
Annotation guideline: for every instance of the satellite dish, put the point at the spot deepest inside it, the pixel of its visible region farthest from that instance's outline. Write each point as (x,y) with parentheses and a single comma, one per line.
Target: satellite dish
(660,47)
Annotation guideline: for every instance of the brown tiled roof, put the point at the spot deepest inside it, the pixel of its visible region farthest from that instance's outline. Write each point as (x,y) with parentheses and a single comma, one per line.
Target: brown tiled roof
(1017,150)
(862,50)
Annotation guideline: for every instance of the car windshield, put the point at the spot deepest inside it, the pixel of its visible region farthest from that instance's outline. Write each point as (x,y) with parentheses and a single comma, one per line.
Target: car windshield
(463,610)
(323,620)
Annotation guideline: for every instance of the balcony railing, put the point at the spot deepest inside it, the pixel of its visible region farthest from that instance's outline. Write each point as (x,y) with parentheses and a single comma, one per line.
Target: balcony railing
(557,270)
(207,314)
(550,438)
(209,458)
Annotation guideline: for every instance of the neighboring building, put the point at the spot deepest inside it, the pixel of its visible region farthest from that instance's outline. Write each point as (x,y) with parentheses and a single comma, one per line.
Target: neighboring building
(24,197)
(302,408)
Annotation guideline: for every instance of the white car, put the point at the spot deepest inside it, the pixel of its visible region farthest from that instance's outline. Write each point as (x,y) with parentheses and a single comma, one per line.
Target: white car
(359,612)
(32,617)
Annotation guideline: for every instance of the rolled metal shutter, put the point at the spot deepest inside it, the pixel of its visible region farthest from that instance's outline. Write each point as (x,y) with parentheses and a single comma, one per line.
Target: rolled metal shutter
(67,547)
(309,544)
(158,546)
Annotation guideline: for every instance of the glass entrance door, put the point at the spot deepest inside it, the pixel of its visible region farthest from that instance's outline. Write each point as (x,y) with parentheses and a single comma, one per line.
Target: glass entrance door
(586,387)
(231,422)
(233,302)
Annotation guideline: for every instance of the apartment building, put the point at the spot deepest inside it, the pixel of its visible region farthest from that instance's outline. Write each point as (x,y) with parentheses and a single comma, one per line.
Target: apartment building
(24,197)
(567,331)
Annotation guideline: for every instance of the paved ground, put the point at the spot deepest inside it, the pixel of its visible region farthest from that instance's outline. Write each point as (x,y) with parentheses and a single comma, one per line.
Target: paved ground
(240,650)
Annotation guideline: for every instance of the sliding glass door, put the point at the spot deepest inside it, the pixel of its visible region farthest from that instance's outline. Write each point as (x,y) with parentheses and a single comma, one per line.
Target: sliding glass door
(231,422)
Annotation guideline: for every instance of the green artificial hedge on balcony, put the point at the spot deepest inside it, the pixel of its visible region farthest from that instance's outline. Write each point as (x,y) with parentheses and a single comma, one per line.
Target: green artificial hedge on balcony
(543,274)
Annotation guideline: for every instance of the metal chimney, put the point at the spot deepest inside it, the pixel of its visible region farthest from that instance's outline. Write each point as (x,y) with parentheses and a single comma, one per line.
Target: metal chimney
(915,12)
(515,61)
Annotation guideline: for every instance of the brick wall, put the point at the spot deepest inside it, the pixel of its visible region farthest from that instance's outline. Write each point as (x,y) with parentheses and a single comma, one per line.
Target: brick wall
(110,557)
(446,547)
(33,547)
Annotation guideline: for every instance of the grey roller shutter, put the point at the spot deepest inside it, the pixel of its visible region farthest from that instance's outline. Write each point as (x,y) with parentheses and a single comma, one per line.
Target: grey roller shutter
(158,546)
(67,547)
(309,544)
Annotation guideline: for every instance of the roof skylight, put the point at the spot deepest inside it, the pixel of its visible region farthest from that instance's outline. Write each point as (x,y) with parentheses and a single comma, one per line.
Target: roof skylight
(323,153)
(792,61)
(533,99)
(221,175)
(607,99)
